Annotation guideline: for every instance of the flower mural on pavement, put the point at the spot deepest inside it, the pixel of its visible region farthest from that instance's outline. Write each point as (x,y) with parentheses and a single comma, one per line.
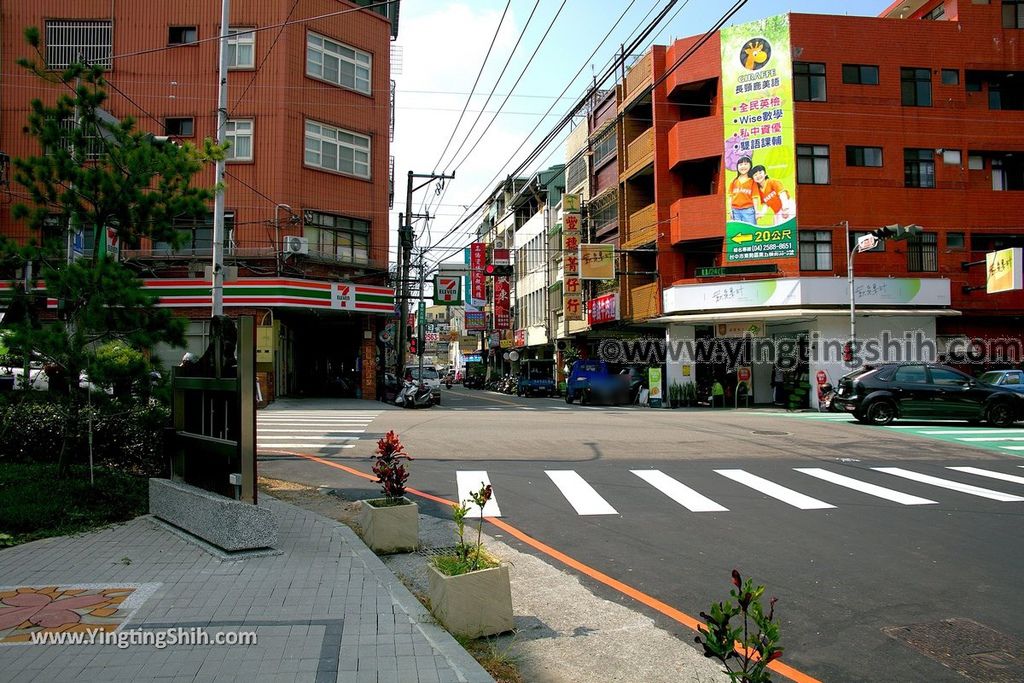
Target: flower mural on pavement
(26,610)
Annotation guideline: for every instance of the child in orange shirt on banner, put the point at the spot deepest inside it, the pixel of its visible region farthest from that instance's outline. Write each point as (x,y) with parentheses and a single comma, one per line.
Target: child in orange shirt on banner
(773,196)
(741,193)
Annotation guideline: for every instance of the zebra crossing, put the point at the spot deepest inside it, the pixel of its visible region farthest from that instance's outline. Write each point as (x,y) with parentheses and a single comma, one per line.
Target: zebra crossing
(587,500)
(1009,441)
(305,430)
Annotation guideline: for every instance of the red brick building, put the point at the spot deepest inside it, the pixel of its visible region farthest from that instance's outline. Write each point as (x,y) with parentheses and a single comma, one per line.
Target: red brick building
(309,175)
(910,117)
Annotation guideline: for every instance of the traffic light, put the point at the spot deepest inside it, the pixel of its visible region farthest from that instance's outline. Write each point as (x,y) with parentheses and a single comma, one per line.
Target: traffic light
(413,346)
(492,270)
(897,232)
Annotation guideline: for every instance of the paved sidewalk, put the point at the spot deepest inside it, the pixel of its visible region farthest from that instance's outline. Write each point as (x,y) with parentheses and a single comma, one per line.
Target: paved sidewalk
(324,609)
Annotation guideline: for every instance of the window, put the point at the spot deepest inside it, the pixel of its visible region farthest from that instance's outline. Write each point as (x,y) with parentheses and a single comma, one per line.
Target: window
(975,162)
(854,236)
(1013,13)
(947,377)
(339,64)
(808,82)
(337,237)
(66,40)
(335,149)
(860,74)
(812,164)
(913,374)
(576,172)
(916,87)
(604,214)
(239,133)
(604,148)
(864,156)
(950,77)
(180,127)
(1008,172)
(954,240)
(196,236)
(922,253)
(951,156)
(918,168)
(182,35)
(815,250)
(241,48)
(935,14)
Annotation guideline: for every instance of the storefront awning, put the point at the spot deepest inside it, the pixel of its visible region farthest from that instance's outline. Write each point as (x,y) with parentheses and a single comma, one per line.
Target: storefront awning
(799,314)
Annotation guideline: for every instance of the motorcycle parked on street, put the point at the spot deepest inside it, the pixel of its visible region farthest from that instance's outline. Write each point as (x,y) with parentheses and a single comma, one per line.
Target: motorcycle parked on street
(415,395)
(826,400)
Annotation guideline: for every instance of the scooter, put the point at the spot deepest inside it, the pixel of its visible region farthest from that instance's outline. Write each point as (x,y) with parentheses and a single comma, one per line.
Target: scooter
(415,395)
(827,402)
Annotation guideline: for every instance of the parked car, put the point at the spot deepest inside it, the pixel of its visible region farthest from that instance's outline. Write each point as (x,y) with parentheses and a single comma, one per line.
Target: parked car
(430,377)
(879,394)
(536,377)
(596,381)
(1005,379)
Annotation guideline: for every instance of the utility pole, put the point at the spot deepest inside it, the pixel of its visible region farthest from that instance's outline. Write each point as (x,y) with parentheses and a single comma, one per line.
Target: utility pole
(421,333)
(405,242)
(217,285)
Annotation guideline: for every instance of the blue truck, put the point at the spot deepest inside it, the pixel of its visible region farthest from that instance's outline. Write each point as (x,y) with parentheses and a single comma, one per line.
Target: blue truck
(536,378)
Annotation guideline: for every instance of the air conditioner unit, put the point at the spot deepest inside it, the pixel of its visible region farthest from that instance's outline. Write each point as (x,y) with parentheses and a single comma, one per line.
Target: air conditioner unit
(296,245)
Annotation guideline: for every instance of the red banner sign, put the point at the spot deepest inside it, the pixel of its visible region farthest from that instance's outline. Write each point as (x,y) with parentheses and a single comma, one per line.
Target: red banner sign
(603,309)
(502,319)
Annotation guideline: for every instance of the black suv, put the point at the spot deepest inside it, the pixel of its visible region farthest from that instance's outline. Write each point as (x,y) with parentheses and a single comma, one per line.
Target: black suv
(922,391)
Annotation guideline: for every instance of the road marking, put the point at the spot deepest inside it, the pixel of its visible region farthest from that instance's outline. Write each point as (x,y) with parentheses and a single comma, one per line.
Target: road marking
(625,589)
(949,484)
(770,488)
(330,430)
(864,487)
(318,437)
(679,492)
(467,481)
(1013,448)
(304,445)
(579,493)
(989,473)
(990,438)
(950,432)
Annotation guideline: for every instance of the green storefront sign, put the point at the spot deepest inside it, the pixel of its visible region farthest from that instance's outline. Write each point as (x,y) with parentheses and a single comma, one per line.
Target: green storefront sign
(654,382)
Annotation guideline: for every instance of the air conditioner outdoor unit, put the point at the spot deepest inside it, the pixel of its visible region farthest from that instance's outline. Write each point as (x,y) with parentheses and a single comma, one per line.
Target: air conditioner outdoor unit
(296,245)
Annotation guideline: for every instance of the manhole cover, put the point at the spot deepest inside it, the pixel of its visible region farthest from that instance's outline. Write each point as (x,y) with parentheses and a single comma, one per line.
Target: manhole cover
(768,432)
(972,649)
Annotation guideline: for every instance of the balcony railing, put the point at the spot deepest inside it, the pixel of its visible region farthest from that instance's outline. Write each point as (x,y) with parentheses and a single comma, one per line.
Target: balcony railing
(644,301)
(642,228)
(638,76)
(639,152)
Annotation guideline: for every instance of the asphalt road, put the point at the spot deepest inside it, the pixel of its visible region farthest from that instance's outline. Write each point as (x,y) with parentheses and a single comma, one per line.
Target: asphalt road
(669,502)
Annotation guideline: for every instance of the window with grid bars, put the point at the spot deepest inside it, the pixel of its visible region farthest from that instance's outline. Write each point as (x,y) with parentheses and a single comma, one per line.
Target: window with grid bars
(918,168)
(815,250)
(337,237)
(808,82)
(923,253)
(916,87)
(605,213)
(336,63)
(812,164)
(604,147)
(576,173)
(68,41)
(239,133)
(335,149)
(241,48)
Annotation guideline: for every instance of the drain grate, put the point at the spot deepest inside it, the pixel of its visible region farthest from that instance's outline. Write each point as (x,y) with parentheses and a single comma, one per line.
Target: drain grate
(437,552)
(768,432)
(972,649)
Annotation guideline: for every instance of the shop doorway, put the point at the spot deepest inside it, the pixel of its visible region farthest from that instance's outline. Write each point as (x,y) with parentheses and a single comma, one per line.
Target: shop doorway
(325,354)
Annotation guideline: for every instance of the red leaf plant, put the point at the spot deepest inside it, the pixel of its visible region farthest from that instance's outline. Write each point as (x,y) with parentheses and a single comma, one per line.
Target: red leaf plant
(389,468)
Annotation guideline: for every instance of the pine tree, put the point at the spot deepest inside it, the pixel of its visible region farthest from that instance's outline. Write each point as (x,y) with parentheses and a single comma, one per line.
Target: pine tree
(104,176)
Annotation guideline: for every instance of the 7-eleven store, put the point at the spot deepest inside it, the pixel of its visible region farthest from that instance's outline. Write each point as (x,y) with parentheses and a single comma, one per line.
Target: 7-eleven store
(313,338)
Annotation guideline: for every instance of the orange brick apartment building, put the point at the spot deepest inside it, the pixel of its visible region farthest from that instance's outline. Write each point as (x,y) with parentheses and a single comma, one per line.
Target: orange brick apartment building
(911,117)
(310,118)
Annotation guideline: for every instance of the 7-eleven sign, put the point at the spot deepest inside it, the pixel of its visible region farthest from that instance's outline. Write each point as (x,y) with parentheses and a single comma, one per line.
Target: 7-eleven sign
(447,290)
(344,296)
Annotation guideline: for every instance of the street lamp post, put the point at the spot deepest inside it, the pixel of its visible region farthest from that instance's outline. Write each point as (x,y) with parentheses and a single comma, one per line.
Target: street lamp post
(849,279)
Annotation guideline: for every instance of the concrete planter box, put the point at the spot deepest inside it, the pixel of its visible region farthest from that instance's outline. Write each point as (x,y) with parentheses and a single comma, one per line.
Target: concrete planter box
(391,528)
(475,604)
(226,523)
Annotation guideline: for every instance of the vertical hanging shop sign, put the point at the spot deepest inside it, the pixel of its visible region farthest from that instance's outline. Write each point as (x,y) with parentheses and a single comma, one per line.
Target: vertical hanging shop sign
(572,301)
(502,319)
(760,149)
(477,261)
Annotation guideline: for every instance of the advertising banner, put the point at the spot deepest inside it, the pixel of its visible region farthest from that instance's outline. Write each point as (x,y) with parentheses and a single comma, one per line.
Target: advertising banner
(447,290)
(597,261)
(477,261)
(603,309)
(1005,270)
(520,338)
(760,148)
(502,293)
(654,382)
(476,321)
(468,344)
(572,306)
(572,298)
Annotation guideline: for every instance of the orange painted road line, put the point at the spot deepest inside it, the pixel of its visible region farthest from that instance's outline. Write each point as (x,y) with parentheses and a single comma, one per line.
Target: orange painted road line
(641,597)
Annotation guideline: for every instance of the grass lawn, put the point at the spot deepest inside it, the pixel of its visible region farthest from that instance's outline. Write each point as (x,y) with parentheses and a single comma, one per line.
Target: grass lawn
(35,504)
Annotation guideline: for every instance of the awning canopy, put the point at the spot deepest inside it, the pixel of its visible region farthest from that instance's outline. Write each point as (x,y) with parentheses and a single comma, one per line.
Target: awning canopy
(781,314)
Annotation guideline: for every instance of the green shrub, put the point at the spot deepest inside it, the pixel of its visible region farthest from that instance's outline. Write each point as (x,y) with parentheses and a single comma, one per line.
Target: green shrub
(127,437)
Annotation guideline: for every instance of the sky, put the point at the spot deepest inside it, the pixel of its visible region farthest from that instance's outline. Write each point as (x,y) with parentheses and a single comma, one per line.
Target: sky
(442,44)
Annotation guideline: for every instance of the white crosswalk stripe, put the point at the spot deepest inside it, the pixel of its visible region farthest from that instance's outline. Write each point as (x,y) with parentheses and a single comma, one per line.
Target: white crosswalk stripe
(472,482)
(865,487)
(581,495)
(949,484)
(679,492)
(773,490)
(989,473)
(306,430)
